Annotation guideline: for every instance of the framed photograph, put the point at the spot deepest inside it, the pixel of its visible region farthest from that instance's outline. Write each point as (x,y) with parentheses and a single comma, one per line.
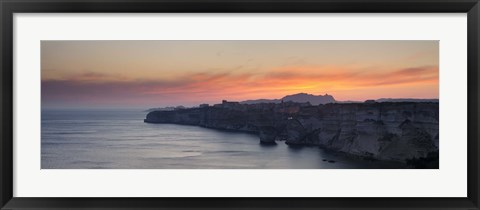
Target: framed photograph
(239,104)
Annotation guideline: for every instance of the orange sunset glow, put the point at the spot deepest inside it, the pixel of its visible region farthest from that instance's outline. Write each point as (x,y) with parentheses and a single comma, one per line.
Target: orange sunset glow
(143,74)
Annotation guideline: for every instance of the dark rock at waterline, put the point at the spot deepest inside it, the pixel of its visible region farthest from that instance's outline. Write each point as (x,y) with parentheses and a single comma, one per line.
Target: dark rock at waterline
(267,135)
(430,161)
(268,143)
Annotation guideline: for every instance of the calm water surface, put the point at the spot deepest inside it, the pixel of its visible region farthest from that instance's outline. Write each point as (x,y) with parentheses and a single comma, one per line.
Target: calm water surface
(116,139)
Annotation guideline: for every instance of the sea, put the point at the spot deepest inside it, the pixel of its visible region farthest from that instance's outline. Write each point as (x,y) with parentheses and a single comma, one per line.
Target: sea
(119,139)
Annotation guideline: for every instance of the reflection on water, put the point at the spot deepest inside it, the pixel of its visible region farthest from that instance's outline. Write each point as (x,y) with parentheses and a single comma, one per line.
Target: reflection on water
(120,140)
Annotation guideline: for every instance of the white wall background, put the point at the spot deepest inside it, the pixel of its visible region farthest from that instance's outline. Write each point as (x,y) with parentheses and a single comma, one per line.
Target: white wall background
(449,181)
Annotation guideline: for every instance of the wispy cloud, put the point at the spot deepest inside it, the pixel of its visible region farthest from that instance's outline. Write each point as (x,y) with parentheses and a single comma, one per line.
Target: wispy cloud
(215,86)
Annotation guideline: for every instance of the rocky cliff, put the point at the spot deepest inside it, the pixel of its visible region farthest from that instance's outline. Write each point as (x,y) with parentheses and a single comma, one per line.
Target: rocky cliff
(299,98)
(384,131)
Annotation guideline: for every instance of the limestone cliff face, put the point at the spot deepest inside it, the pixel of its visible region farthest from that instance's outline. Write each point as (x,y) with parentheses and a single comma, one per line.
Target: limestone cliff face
(385,131)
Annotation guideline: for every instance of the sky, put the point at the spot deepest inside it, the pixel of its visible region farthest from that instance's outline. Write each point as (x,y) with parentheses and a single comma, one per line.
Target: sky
(146,74)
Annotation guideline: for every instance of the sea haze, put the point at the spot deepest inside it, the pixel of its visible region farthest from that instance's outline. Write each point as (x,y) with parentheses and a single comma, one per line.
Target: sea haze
(119,139)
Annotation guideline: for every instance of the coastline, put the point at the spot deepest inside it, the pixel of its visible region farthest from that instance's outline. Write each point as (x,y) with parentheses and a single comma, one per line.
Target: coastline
(339,154)
(389,131)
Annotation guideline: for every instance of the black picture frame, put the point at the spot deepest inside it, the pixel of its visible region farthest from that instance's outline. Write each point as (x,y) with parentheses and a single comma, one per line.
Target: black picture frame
(9,7)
